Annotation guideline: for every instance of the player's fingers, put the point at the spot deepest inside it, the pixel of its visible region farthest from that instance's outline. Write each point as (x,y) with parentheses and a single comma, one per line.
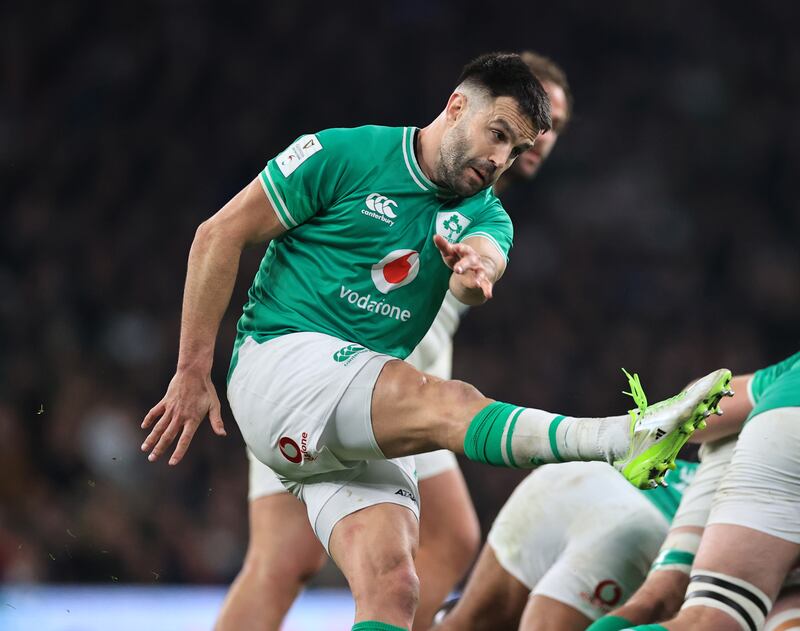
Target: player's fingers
(155,433)
(183,443)
(445,247)
(486,286)
(215,416)
(156,411)
(166,438)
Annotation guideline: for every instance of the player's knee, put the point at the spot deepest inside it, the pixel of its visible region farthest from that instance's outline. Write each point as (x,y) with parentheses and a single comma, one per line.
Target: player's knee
(455,403)
(393,581)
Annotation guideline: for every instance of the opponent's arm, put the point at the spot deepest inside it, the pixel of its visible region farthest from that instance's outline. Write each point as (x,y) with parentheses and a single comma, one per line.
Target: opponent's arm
(477,265)
(211,273)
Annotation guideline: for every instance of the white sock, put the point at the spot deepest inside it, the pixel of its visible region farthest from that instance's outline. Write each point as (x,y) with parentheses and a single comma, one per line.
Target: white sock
(540,437)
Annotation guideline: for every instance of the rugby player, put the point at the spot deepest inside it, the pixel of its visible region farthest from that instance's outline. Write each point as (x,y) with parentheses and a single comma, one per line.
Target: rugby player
(449,537)
(369,227)
(752,538)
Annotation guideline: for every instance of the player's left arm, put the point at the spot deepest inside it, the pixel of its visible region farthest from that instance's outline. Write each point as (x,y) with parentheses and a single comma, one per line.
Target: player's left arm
(477,265)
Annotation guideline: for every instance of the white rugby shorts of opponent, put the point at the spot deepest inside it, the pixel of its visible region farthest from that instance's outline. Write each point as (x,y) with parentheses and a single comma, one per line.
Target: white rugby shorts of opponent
(449,537)
(749,551)
(369,227)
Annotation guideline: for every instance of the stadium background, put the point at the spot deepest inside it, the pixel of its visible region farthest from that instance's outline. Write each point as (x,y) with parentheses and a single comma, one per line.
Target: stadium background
(662,235)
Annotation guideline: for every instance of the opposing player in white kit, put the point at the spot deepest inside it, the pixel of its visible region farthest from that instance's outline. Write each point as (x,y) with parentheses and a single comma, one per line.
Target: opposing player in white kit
(449,537)
(752,539)
(369,227)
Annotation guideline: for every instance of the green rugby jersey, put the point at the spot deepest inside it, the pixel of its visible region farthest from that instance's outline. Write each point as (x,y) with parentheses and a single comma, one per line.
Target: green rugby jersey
(358,260)
(667,499)
(777,386)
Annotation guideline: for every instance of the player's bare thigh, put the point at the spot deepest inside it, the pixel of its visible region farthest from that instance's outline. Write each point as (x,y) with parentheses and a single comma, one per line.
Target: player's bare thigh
(413,412)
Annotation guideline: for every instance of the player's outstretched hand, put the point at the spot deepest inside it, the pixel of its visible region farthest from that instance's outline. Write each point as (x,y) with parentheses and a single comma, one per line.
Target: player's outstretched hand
(189,399)
(463,259)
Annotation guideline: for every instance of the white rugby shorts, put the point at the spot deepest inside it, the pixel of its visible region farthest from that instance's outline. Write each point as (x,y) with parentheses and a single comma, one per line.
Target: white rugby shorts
(580,534)
(303,405)
(434,356)
(761,489)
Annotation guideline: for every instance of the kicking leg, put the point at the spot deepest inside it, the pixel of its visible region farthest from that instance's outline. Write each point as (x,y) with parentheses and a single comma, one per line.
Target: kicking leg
(412,413)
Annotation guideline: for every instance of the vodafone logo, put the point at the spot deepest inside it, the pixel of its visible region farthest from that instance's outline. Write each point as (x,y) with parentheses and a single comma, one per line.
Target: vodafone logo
(396,269)
(290,450)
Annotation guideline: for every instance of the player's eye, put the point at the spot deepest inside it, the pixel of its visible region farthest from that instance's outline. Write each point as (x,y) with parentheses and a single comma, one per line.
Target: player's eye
(499,135)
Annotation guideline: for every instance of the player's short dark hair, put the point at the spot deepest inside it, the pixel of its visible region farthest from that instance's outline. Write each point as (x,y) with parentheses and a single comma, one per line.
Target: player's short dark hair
(545,69)
(506,74)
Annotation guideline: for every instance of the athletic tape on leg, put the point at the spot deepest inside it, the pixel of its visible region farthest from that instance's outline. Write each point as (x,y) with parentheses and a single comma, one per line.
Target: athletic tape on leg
(788,620)
(677,552)
(741,600)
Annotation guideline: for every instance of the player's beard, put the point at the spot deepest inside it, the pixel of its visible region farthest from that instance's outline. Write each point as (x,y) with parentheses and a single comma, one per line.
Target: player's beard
(454,160)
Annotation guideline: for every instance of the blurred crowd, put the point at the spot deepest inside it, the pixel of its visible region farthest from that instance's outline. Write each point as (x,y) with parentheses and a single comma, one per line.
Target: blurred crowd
(662,236)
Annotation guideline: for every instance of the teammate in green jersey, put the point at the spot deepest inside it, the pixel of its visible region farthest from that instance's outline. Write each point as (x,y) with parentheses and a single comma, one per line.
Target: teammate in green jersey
(753,535)
(369,228)
(449,537)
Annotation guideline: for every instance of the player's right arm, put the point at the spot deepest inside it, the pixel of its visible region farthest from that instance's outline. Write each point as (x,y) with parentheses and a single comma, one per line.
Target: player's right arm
(246,219)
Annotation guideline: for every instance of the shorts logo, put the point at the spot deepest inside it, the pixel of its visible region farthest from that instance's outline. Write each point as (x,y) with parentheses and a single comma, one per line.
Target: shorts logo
(345,354)
(395,270)
(380,207)
(451,225)
(606,595)
(290,450)
(406,493)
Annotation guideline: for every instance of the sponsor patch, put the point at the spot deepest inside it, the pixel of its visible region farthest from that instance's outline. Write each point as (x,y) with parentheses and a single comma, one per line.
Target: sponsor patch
(297,153)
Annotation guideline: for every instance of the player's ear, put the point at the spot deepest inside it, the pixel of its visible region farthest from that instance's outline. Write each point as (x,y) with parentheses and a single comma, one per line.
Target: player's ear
(456,106)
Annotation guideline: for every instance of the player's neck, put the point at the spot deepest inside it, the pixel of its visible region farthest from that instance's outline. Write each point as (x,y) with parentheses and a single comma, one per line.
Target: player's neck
(429,139)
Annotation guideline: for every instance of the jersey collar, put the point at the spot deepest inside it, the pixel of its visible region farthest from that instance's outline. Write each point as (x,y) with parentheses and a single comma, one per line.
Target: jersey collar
(410,158)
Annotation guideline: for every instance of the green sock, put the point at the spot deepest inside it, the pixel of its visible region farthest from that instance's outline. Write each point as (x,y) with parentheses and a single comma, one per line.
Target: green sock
(374,625)
(609,623)
(489,436)
(506,435)
(648,627)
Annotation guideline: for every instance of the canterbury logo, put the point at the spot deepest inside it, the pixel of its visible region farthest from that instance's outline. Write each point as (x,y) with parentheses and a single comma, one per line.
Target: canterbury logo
(347,353)
(381,205)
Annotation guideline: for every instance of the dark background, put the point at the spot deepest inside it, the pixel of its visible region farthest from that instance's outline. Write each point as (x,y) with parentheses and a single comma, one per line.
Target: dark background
(661,236)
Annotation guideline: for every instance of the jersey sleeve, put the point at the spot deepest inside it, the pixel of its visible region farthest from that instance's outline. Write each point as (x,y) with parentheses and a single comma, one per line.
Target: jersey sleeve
(765,377)
(303,179)
(495,225)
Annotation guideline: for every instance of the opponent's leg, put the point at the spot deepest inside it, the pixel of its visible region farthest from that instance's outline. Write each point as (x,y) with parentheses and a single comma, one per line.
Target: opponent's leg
(375,548)
(270,579)
(493,599)
(449,538)
(413,414)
